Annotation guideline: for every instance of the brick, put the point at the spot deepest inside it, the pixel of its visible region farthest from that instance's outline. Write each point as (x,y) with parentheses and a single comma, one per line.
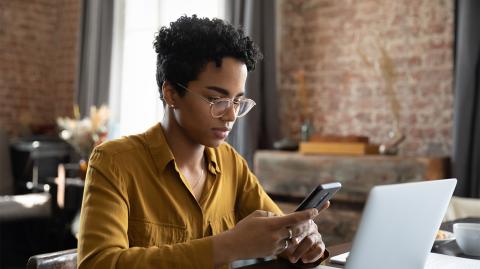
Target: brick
(347,95)
(38,60)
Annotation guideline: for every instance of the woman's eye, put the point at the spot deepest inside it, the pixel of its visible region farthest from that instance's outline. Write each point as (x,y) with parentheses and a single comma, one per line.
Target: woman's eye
(211,99)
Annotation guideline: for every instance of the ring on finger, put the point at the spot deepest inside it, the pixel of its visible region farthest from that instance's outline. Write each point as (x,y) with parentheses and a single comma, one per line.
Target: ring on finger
(290,234)
(286,244)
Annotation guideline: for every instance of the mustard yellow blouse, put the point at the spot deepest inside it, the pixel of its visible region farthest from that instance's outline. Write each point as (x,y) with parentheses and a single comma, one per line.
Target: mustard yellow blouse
(139,211)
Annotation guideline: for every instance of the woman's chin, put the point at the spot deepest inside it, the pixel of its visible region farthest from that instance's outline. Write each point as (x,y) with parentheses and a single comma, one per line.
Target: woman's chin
(214,143)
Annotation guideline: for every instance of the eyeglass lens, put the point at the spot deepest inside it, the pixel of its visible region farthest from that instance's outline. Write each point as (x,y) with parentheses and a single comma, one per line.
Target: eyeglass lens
(241,107)
(218,108)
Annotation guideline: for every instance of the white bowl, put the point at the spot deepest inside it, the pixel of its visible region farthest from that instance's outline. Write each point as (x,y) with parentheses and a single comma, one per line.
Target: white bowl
(468,237)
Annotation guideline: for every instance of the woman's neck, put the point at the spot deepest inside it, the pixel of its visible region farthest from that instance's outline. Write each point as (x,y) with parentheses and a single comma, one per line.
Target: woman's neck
(187,152)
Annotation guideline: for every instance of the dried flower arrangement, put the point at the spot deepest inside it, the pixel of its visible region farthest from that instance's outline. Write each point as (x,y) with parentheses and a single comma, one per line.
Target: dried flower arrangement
(84,134)
(385,68)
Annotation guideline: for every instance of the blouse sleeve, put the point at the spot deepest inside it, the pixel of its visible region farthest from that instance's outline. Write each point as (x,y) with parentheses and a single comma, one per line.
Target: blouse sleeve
(250,194)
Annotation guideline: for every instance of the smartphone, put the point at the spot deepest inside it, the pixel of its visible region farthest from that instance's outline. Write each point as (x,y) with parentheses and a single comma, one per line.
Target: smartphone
(319,196)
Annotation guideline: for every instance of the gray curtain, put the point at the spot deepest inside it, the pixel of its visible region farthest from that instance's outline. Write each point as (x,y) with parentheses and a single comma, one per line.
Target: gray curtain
(95,54)
(466,132)
(259,129)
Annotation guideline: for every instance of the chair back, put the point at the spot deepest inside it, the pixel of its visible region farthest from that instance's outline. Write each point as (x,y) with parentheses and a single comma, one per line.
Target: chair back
(66,259)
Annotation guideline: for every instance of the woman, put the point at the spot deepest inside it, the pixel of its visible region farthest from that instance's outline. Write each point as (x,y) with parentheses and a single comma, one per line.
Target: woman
(177,196)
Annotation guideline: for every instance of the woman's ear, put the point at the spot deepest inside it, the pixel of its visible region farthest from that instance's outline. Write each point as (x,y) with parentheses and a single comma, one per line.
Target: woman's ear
(169,94)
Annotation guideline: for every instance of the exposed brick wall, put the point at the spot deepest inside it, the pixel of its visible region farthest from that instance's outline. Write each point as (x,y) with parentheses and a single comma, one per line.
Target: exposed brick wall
(38,61)
(325,40)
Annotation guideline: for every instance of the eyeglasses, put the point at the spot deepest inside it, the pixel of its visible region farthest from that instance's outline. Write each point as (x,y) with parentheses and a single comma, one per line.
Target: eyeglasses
(220,106)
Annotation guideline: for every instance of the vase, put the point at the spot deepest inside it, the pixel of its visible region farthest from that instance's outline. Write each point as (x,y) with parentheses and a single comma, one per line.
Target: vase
(306,131)
(83,165)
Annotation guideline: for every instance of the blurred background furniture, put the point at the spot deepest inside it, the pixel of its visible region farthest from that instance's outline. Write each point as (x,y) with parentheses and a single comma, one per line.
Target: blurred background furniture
(35,159)
(461,207)
(66,259)
(22,217)
(289,176)
(30,219)
(17,207)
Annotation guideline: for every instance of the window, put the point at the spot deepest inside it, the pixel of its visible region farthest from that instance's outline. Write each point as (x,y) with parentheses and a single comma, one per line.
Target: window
(134,97)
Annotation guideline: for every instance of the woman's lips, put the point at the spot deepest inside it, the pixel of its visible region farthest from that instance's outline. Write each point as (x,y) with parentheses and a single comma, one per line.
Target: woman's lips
(220,133)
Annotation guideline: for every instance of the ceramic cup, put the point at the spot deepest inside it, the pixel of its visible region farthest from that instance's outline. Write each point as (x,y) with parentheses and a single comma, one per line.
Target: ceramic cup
(468,237)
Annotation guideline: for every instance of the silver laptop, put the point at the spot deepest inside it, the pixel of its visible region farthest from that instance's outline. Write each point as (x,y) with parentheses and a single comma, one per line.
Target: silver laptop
(399,224)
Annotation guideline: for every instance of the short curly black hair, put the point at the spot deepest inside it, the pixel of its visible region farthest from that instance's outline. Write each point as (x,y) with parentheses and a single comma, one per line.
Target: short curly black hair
(184,49)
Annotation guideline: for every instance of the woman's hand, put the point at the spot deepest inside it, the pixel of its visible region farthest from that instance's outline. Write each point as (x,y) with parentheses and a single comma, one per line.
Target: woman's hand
(306,242)
(260,234)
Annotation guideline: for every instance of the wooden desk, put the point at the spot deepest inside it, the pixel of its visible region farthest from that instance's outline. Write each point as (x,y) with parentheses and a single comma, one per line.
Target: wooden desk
(336,250)
(273,264)
(282,264)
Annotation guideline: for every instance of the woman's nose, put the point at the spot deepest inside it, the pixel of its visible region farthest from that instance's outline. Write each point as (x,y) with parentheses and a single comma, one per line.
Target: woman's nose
(230,113)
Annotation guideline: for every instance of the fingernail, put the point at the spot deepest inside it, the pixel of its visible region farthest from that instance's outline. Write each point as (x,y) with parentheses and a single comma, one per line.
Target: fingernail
(315,212)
